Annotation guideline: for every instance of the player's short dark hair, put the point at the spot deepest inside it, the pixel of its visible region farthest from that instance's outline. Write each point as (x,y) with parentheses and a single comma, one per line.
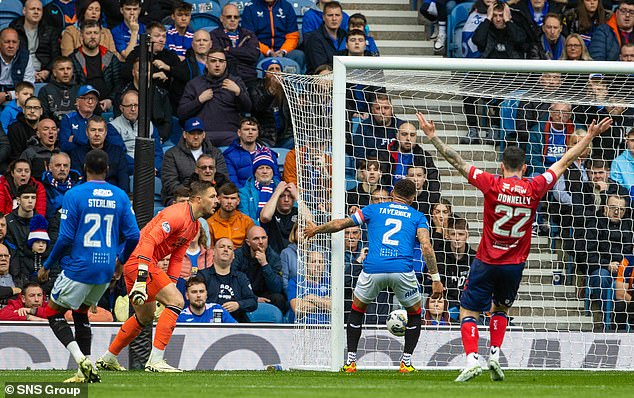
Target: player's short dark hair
(333,4)
(513,158)
(123,3)
(251,120)
(26,189)
(458,223)
(198,187)
(405,188)
(355,32)
(228,188)
(96,162)
(24,84)
(195,280)
(358,17)
(182,6)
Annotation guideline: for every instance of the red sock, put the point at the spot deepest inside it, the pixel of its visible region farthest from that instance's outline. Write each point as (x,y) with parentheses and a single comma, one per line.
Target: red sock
(497,328)
(469,332)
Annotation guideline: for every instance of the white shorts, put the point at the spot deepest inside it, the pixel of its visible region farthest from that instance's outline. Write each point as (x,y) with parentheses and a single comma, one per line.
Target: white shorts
(404,286)
(68,293)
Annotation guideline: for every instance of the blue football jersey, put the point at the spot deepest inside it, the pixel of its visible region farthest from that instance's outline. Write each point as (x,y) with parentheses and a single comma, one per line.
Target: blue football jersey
(94,217)
(187,316)
(391,236)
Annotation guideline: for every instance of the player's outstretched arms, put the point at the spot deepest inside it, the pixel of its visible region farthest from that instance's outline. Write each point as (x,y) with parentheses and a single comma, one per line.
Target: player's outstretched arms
(573,153)
(327,228)
(430,261)
(447,152)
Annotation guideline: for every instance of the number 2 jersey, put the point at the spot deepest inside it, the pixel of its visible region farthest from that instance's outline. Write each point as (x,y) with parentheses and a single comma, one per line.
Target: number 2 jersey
(94,216)
(510,205)
(392,236)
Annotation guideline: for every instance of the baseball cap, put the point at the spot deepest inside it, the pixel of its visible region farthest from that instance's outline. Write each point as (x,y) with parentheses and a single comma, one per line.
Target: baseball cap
(83,90)
(194,124)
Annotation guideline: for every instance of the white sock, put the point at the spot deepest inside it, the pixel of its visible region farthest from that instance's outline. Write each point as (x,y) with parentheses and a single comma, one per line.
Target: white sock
(108,356)
(407,359)
(75,352)
(495,353)
(442,28)
(472,360)
(352,357)
(155,356)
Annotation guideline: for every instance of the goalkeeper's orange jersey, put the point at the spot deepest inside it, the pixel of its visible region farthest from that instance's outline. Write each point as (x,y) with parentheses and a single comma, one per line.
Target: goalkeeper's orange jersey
(170,231)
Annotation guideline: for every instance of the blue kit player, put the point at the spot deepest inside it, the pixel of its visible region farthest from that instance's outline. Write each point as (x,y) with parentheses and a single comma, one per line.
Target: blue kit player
(393,228)
(94,216)
(510,204)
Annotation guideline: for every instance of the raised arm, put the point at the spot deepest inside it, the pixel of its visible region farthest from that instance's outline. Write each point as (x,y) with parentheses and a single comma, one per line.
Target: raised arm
(447,152)
(573,153)
(327,228)
(430,260)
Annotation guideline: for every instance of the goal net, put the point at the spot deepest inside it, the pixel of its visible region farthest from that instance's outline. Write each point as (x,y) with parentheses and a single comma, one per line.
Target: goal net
(356,135)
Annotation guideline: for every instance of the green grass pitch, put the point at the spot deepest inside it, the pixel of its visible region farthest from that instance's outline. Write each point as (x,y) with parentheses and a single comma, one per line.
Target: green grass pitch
(366,384)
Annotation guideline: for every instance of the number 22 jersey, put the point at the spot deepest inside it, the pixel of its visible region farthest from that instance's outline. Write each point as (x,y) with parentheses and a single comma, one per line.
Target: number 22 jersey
(391,235)
(510,205)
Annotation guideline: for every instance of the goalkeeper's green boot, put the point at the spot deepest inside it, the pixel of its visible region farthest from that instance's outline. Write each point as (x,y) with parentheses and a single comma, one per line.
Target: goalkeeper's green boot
(469,373)
(77,378)
(349,367)
(112,364)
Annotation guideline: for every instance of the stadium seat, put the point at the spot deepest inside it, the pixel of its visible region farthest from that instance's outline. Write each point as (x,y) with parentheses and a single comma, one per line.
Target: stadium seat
(9,10)
(455,22)
(241,4)
(281,157)
(608,308)
(177,132)
(266,313)
(38,87)
(288,64)
(212,7)
(107,116)
(207,22)
(508,114)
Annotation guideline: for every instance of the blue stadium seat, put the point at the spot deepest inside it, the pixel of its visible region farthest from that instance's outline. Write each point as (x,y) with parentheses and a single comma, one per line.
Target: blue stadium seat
(107,116)
(266,313)
(301,6)
(212,7)
(281,157)
(288,64)
(9,10)
(38,87)
(455,22)
(241,4)
(207,22)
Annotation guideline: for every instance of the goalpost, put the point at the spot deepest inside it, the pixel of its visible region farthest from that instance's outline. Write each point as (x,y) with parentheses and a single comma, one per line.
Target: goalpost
(558,305)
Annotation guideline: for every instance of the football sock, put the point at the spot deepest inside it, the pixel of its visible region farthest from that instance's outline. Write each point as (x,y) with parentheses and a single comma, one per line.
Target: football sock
(469,333)
(64,334)
(412,331)
(129,330)
(497,328)
(352,357)
(442,27)
(165,326)
(406,359)
(353,331)
(155,355)
(83,334)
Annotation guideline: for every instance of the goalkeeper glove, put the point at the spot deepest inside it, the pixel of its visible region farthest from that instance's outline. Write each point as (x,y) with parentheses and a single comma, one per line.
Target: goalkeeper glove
(138,294)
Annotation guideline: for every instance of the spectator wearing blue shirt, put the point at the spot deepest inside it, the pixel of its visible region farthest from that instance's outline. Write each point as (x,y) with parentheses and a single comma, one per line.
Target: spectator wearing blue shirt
(321,45)
(313,18)
(378,129)
(126,34)
(547,141)
(9,114)
(72,131)
(241,153)
(622,169)
(180,37)
(359,21)
(199,311)
(309,294)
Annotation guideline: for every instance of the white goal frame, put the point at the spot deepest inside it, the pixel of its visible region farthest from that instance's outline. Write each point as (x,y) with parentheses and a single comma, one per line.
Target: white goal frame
(340,68)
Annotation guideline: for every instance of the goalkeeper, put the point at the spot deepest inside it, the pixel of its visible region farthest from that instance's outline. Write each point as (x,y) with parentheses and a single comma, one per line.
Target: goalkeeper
(170,232)
(393,228)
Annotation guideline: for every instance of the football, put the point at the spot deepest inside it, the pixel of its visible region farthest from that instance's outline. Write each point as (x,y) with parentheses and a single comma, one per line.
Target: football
(396,322)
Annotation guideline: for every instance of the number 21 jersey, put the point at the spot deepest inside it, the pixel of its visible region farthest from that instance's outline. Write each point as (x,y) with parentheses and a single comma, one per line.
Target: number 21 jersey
(510,205)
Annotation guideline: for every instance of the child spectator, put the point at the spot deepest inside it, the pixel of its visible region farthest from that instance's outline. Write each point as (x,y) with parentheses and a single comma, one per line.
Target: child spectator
(126,34)
(23,91)
(436,312)
(180,37)
(198,256)
(19,174)
(359,21)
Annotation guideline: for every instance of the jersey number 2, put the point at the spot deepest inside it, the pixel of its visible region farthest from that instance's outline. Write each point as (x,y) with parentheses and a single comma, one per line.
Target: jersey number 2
(509,213)
(397,227)
(95,219)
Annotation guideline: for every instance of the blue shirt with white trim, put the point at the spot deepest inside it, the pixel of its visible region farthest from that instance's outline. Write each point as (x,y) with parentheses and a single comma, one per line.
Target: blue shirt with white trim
(187,316)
